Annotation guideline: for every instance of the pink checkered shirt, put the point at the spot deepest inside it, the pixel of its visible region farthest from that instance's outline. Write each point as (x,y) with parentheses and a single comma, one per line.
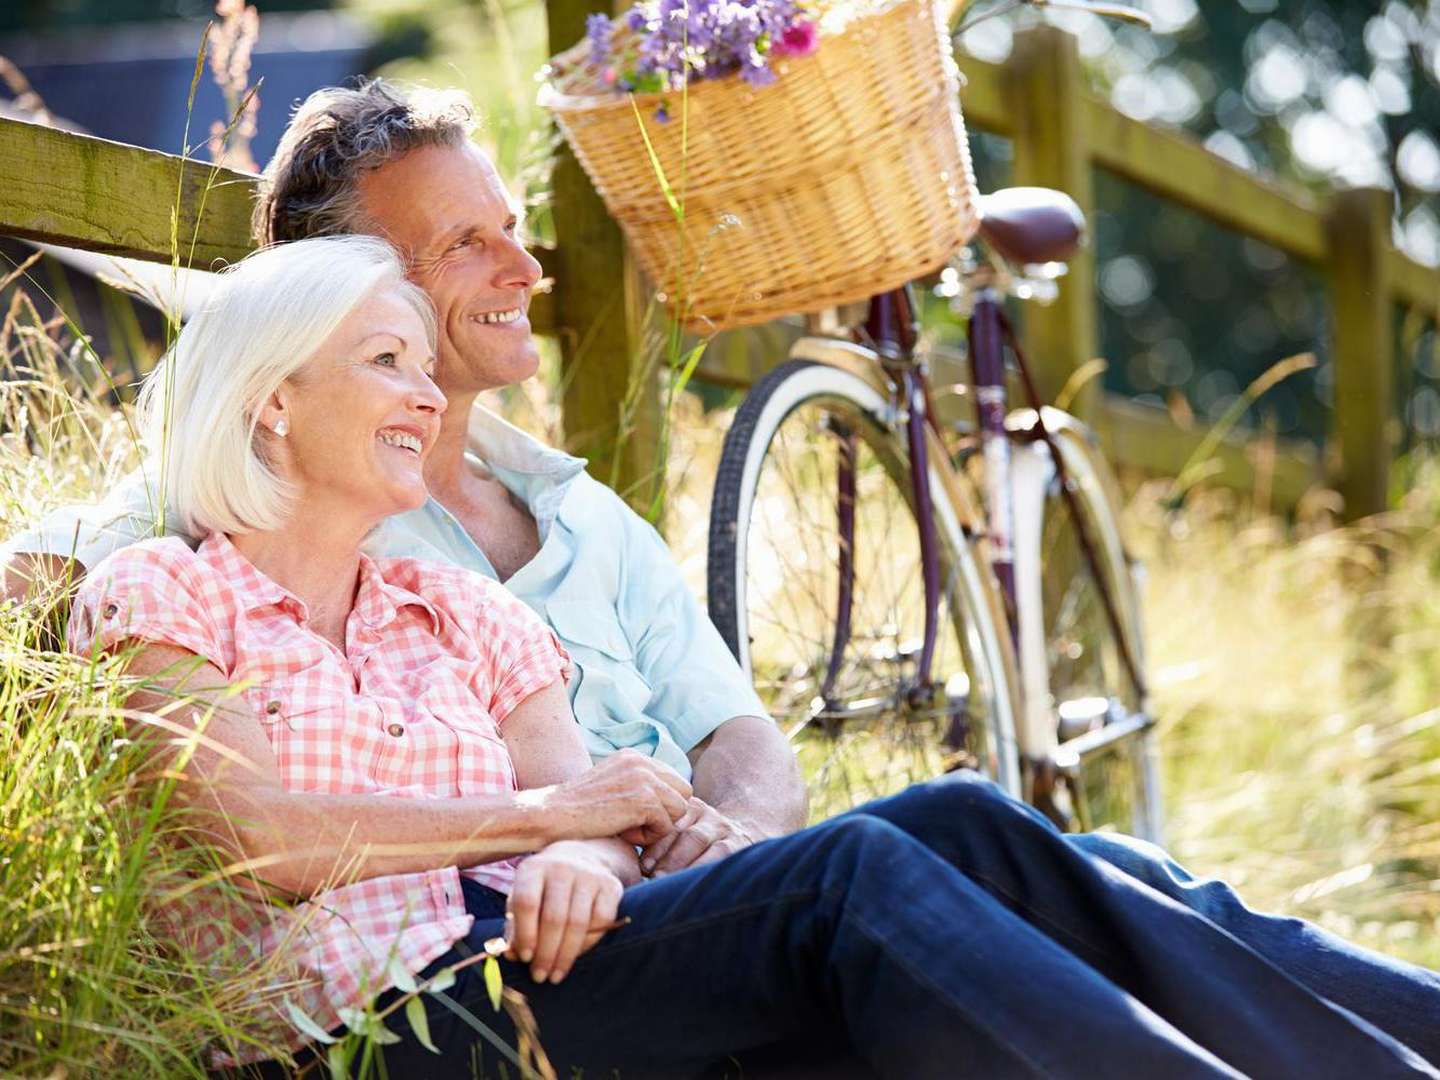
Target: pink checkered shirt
(435,659)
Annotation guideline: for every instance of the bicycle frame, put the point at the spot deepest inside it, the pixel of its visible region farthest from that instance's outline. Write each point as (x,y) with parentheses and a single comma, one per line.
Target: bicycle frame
(891,328)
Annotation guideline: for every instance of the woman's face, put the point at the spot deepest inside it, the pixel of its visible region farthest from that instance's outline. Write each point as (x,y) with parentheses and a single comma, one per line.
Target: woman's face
(363,413)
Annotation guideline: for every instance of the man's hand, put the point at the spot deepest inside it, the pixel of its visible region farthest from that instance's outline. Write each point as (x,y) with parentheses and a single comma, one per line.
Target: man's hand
(564,900)
(702,835)
(626,795)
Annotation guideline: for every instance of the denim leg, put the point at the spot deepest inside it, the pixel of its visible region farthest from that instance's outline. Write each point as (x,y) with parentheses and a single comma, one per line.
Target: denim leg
(851,929)
(1221,993)
(1400,998)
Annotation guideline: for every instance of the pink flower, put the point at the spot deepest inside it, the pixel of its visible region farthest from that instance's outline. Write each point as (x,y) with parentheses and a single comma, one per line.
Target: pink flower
(609,75)
(799,39)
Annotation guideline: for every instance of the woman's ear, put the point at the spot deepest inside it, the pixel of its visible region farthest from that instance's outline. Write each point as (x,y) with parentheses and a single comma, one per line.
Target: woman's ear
(274,415)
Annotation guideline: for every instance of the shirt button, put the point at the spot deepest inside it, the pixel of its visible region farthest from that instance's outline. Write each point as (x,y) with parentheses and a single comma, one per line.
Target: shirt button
(272,708)
(111,610)
(396,729)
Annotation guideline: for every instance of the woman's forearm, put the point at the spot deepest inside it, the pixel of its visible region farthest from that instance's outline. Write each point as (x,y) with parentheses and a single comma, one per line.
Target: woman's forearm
(301,843)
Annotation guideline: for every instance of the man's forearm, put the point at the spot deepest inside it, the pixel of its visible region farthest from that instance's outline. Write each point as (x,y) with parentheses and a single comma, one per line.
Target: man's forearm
(746,770)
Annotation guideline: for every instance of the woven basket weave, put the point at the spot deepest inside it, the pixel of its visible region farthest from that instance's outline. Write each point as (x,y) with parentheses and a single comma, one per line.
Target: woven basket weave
(847,176)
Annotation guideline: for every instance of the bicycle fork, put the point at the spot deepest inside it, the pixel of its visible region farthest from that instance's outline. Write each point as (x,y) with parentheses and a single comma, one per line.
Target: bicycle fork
(892,326)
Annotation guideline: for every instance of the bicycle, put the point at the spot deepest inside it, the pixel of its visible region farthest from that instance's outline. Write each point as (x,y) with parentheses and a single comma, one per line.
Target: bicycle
(999,625)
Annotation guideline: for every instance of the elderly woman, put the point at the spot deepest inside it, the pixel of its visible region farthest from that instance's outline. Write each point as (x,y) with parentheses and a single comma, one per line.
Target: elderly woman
(396,758)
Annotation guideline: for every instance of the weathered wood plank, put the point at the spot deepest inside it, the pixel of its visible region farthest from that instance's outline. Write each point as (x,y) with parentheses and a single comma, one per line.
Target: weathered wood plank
(1362,301)
(1177,167)
(1051,136)
(58,187)
(1415,286)
(89,193)
(1144,437)
(611,390)
(983,98)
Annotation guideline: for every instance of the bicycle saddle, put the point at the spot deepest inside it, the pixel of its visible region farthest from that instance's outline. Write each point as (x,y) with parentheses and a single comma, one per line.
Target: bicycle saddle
(1031,224)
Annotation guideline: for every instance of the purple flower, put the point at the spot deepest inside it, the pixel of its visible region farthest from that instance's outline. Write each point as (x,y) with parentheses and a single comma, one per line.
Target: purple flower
(664,42)
(662,114)
(757,74)
(597,29)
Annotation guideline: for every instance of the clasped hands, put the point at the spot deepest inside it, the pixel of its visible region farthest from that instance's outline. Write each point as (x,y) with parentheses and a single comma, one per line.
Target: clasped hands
(566,896)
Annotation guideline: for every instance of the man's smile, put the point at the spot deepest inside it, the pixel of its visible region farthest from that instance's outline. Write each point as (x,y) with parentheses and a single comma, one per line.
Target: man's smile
(509,315)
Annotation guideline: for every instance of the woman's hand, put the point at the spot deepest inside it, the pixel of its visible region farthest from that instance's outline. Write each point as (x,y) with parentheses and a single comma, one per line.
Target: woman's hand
(565,897)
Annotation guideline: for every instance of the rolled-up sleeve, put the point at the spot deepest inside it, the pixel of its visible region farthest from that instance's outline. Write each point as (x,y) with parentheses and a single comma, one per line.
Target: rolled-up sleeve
(147,592)
(696,684)
(527,655)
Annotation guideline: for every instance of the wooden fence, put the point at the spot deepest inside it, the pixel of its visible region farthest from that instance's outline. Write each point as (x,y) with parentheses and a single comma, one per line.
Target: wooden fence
(76,191)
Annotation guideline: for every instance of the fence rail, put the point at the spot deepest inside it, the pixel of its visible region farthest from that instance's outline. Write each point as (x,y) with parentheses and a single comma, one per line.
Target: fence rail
(73,190)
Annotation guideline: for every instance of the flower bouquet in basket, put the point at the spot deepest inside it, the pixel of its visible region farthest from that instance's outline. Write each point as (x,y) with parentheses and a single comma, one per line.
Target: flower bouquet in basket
(765,157)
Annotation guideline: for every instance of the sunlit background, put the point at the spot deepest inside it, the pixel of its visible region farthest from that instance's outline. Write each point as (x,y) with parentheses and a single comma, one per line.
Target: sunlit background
(1318,92)
(1292,662)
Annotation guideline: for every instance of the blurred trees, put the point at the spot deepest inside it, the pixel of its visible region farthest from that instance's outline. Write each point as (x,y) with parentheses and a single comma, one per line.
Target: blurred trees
(1322,93)
(17,15)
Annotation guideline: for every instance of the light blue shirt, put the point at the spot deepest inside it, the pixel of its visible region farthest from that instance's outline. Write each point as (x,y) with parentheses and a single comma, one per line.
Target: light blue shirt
(652,673)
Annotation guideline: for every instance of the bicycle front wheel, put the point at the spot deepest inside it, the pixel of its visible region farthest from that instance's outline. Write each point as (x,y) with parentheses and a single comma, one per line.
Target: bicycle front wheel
(815,584)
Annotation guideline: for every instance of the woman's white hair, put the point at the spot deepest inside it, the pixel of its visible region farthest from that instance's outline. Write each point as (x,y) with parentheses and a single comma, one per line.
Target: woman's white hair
(265,320)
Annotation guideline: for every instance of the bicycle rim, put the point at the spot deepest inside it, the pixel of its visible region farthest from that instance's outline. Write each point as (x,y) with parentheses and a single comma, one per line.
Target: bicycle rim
(859,726)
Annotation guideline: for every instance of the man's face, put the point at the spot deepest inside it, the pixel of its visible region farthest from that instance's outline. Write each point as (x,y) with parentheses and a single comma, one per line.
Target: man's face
(447,210)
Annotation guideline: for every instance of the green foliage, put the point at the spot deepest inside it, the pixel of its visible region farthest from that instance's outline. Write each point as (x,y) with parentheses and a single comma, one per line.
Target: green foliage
(92,848)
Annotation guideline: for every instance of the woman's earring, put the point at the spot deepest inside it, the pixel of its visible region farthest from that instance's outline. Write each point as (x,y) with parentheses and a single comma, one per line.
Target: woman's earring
(282,427)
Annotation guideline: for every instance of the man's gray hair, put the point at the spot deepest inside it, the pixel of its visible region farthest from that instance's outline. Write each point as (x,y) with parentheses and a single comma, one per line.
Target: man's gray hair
(310,186)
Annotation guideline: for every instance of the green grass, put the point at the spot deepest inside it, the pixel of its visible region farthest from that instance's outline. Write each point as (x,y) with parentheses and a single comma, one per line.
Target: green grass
(91,849)
(1297,688)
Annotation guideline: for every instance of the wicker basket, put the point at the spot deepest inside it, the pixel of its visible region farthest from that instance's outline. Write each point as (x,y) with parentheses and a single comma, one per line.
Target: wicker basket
(847,176)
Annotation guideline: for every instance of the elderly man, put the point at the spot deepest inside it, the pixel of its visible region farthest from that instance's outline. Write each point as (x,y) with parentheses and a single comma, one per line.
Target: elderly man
(1251,990)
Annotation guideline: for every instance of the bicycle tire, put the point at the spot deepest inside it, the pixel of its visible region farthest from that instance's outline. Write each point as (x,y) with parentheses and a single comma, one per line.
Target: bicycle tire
(1086,683)
(810,398)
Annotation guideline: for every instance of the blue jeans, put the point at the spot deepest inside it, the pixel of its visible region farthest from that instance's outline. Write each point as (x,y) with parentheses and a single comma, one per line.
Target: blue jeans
(947,931)
(1401,998)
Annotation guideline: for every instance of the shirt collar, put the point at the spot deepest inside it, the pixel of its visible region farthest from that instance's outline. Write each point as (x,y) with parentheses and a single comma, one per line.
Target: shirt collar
(376,600)
(537,474)
(256,590)
(502,445)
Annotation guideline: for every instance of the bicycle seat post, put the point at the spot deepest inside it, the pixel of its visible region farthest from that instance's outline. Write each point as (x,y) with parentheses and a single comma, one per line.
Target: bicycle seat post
(987,372)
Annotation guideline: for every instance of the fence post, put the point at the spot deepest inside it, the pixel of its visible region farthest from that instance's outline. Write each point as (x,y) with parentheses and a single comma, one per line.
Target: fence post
(1358,232)
(1046,88)
(610,403)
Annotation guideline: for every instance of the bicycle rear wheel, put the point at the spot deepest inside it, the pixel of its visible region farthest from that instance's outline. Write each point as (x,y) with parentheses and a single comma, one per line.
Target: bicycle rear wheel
(1083,658)
(850,697)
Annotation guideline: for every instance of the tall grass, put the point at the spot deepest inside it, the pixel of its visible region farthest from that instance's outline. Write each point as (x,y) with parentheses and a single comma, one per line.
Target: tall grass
(1296,677)
(90,845)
